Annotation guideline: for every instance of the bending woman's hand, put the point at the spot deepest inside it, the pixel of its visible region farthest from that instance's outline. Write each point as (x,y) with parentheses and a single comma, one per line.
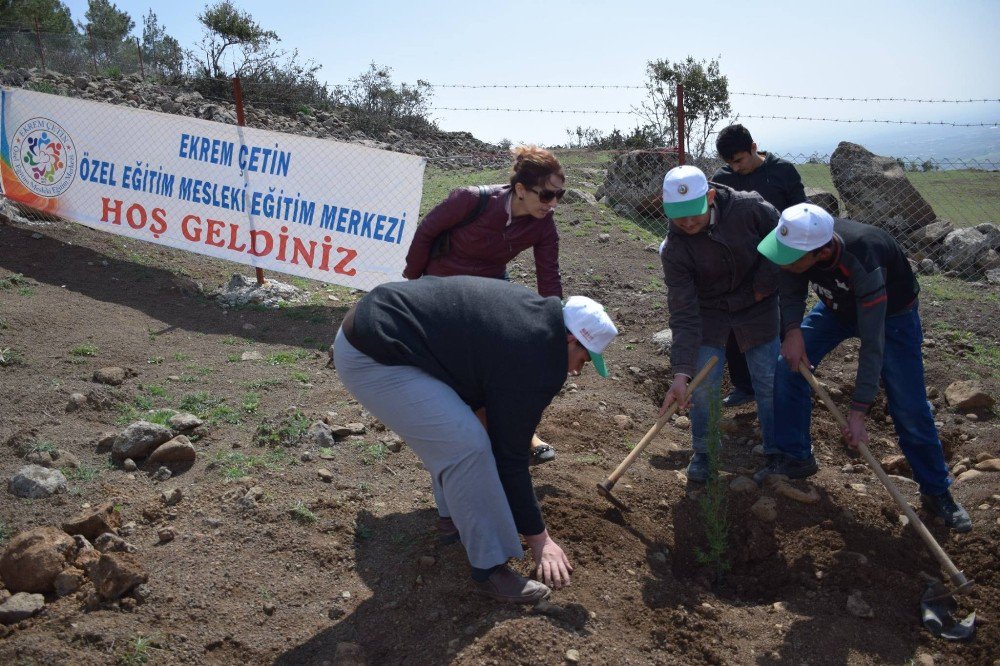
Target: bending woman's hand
(552,567)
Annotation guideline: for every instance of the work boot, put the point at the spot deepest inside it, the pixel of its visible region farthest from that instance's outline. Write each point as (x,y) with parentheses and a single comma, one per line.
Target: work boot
(447,532)
(697,469)
(508,586)
(945,507)
(737,397)
(793,468)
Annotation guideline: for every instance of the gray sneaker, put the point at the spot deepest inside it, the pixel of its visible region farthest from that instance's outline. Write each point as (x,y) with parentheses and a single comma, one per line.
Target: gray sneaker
(793,468)
(945,507)
(508,586)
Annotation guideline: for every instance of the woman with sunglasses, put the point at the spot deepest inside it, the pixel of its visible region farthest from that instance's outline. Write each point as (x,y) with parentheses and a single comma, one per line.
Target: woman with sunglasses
(513,218)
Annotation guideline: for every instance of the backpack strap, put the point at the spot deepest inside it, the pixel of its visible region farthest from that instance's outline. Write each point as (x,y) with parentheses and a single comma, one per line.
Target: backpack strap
(485,191)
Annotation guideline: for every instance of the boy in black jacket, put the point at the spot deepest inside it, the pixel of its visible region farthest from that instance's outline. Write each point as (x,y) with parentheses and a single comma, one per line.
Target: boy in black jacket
(867,290)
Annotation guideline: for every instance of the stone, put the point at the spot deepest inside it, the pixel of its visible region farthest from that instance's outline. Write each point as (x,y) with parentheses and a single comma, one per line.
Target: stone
(683,422)
(325,475)
(76,402)
(983,456)
(633,183)
(321,435)
(896,464)
(991,465)
(242,290)
(69,581)
(162,473)
(859,488)
(113,376)
(825,200)
(349,654)
(139,439)
(663,340)
(743,484)
(968,476)
(33,559)
(988,261)
(129,465)
(935,232)
(166,534)
(851,557)
(117,573)
(184,422)
(20,606)
(758,450)
(574,195)
(765,509)
(36,482)
(858,607)
(573,656)
(623,421)
(993,276)
(791,492)
(960,250)
(426,562)
(603,238)
(111,542)
(177,450)
(964,395)
(172,496)
(875,189)
(251,356)
(91,523)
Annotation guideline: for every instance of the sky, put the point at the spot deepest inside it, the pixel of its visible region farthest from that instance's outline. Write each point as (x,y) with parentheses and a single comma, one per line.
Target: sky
(843,48)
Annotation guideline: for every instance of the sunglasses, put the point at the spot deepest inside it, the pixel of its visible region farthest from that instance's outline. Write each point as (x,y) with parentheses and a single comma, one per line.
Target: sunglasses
(545,196)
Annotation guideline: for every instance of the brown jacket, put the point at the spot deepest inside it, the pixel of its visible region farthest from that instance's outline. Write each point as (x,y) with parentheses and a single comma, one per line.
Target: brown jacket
(717,281)
(485,246)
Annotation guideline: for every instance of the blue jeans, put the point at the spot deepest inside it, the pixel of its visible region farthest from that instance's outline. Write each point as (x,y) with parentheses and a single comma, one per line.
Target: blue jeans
(902,376)
(761,361)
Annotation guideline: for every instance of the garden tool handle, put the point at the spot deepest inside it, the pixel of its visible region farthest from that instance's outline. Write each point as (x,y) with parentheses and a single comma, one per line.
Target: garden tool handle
(671,410)
(957,577)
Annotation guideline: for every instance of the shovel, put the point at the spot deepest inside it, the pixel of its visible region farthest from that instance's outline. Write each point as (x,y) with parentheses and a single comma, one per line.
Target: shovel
(604,487)
(937,601)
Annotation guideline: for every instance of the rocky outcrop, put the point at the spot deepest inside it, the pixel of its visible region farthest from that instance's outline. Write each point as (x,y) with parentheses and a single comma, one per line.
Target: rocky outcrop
(825,200)
(875,189)
(633,183)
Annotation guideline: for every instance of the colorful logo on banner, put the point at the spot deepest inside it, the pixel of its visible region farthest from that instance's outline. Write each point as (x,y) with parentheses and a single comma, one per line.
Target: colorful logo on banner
(43,157)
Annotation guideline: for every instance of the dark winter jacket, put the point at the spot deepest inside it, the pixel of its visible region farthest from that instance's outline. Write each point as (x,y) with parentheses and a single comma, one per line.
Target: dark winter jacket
(717,282)
(497,344)
(868,280)
(776,180)
(484,247)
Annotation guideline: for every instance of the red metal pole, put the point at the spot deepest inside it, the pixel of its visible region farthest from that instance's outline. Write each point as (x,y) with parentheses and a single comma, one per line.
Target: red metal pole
(93,49)
(241,121)
(680,124)
(138,49)
(41,51)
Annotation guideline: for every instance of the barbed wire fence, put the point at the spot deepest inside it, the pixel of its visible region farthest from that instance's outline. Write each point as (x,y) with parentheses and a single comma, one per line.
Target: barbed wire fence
(944,211)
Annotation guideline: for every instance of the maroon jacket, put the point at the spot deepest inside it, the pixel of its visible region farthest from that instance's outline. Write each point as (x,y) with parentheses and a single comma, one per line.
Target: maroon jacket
(485,246)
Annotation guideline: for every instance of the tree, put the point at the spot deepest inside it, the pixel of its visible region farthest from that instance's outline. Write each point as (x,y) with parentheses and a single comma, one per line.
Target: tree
(378,105)
(706,100)
(225,27)
(163,54)
(105,21)
(52,15)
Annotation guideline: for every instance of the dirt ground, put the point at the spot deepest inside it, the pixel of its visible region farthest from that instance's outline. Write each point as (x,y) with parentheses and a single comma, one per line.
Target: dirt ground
(341,572)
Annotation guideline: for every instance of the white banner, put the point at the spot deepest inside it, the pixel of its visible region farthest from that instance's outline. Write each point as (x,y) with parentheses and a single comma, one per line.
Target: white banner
(322,209)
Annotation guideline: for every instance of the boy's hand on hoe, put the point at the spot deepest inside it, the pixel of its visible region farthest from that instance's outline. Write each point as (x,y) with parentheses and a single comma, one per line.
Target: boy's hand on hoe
(793,350)
(855,431)
(676,393)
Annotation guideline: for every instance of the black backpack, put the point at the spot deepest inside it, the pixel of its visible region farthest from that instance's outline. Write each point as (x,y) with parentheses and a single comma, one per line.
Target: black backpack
(442,244)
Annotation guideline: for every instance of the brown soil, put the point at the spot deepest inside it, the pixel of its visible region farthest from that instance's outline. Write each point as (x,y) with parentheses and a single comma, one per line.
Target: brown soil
(260,586)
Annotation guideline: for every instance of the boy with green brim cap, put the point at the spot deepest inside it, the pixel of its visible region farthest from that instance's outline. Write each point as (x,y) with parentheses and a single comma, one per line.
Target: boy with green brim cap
(717,284)
(866,289)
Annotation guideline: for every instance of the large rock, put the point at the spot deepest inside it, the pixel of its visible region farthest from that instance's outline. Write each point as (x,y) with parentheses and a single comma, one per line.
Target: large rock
(633,184)
(825,200)
(139,439)
(961,250)
(968,394)
(875,189)
(242,290)
(177,450)
(92,523)
(927,238)
(992,233)
(117,573)
(34,558)
(36,482)
(663,340)
(21,606)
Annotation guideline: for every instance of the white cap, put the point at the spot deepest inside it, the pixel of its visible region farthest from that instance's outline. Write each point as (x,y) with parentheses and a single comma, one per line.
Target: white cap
(684,192)
(590,324)
(802,228)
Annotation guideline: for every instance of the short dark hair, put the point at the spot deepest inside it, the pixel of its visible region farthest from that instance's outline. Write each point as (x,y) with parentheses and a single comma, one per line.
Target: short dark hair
(733,139)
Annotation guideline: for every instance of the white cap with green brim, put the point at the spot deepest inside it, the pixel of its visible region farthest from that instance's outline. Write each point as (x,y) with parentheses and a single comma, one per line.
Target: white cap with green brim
(685,191)
(802,228)
(586,319)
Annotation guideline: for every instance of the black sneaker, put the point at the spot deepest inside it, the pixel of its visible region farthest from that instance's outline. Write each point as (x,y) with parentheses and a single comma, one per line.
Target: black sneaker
(793,468)
(697,469)
(945,507)
(737,397)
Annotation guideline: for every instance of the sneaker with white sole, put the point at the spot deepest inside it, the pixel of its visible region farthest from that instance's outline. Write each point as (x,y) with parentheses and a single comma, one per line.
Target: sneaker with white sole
(946,508)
